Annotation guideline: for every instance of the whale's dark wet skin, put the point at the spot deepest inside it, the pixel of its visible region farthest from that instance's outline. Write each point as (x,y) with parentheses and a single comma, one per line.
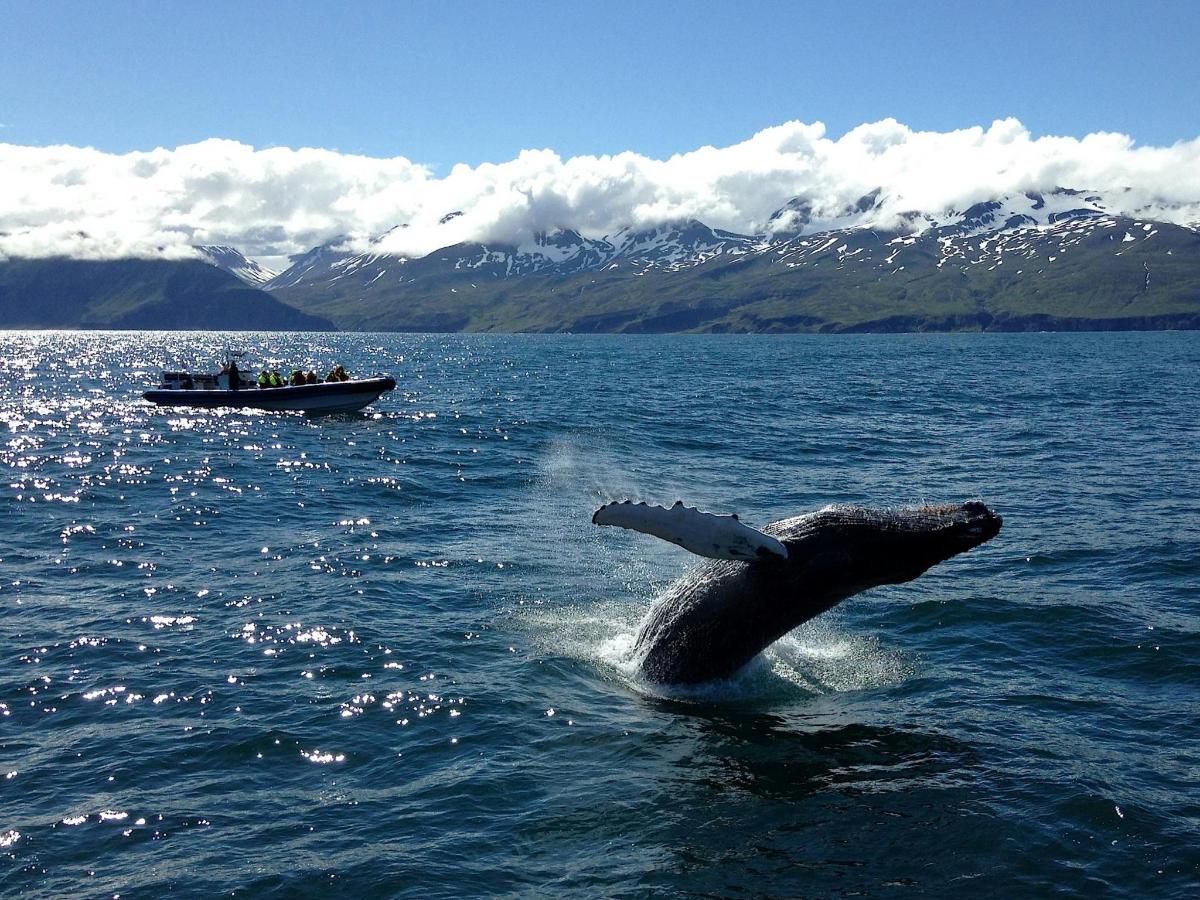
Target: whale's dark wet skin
(722,614)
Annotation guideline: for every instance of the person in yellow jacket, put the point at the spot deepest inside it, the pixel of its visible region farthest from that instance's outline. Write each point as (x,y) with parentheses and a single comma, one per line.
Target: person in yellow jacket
(264,380)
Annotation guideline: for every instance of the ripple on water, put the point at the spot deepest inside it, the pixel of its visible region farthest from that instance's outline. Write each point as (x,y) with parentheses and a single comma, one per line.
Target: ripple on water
(389,654)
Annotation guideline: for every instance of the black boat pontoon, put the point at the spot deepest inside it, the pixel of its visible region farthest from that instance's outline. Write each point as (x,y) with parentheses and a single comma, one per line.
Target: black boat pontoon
(212,391)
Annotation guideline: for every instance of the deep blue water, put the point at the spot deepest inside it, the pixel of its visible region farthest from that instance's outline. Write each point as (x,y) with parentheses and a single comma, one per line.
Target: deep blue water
(387,655)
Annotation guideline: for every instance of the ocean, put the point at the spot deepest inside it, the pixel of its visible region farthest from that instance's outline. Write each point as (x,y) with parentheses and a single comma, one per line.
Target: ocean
(388,655)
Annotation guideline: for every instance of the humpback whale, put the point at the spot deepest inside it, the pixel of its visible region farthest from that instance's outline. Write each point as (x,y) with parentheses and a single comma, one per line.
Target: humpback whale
(752,591)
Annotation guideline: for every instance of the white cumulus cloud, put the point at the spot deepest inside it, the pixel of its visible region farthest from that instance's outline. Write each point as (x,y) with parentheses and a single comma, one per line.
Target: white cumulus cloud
(276,202)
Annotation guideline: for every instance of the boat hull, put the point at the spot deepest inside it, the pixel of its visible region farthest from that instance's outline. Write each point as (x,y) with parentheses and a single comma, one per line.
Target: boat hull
(321,398)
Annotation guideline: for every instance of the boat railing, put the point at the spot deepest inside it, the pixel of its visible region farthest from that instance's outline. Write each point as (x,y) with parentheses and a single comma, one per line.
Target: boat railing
(180,381)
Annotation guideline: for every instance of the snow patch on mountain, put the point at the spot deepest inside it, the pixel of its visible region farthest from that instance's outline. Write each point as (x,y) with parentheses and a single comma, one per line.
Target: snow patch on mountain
(234,262)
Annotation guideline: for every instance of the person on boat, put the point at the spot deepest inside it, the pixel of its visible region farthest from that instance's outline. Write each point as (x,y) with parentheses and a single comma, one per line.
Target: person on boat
(277,380)
(332,376)
(340,372)
(235,377)
(264,380)
(297,378)
(312,377)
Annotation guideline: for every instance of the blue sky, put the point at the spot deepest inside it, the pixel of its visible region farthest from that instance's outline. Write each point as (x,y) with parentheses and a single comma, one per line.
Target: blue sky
(442,83)
(287,125)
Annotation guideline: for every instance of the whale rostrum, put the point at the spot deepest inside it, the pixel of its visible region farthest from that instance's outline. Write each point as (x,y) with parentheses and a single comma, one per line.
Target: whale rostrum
(723,613)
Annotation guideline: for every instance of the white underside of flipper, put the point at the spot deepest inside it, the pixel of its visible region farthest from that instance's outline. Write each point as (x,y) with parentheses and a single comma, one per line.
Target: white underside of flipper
(705,534)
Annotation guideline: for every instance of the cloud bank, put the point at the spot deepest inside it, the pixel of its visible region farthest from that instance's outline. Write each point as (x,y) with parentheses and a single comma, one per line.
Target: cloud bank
(273,203)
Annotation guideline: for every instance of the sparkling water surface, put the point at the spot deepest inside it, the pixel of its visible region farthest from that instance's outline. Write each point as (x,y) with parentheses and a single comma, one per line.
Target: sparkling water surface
(259,654)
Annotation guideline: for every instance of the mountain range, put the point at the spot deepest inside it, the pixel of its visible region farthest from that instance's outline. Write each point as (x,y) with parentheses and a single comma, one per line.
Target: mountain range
(182,295)
(1059,260)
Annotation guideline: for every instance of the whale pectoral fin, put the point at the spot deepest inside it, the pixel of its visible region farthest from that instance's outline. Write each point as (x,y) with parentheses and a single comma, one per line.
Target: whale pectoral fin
(705,534)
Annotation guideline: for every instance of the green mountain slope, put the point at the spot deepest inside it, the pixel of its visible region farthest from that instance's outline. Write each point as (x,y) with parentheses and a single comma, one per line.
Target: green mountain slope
(139,294)
(1089,272)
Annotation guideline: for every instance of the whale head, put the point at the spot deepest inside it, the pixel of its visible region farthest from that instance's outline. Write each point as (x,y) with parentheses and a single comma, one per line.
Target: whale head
(861,548)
